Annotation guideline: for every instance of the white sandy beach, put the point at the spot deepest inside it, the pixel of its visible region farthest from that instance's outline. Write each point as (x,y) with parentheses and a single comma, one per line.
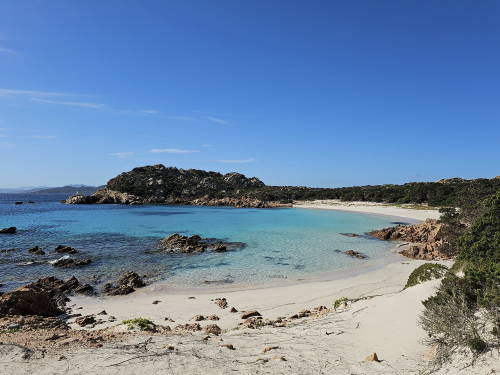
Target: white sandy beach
(371,208)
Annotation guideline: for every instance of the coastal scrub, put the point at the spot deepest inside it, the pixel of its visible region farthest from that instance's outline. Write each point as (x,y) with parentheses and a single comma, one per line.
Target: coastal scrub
(425,272)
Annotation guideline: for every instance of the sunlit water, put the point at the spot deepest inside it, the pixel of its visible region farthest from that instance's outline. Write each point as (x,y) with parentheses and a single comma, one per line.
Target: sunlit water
(282,244)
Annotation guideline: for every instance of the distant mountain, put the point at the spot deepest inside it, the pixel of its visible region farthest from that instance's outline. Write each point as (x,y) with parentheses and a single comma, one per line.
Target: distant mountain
(22,189)
(68,189)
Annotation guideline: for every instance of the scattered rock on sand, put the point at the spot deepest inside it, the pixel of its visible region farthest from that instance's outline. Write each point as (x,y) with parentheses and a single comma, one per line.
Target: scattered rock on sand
(156,302)
(269,348)
(213,329)
(126,284)
(249,314)
(9,230)
(372,358)
(198,318)
(278,358)
(103,312)
(189,327)
(221,302)
(233,310)
(229,346)
(213,317)
(85,320)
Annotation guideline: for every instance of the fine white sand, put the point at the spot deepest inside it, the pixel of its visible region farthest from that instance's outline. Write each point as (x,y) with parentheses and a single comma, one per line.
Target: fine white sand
(334,343)
(371,208)
(271,302)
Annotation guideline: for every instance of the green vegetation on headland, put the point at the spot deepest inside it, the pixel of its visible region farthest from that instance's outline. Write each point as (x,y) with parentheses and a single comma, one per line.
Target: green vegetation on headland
(466,308)
(158,184)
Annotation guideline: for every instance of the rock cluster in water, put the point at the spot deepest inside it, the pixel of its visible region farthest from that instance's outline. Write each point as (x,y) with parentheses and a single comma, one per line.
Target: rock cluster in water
(158,184)
(9,230)
(425,239)
(177,243)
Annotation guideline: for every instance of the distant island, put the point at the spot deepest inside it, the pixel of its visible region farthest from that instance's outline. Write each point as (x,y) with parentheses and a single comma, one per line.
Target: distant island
(158,184)
(68,189)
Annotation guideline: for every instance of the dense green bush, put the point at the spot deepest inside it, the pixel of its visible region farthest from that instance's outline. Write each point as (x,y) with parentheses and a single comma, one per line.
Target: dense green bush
(425,272)
(468,302)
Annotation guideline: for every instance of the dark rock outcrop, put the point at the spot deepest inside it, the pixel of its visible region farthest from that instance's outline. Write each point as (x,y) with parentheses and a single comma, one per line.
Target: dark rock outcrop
(36,250)
(9,230)
(355,254)
(70,262)
(86,320)
(45,297)
(158,184)
(62,249)
(177,243)
(425,239)
(126,284)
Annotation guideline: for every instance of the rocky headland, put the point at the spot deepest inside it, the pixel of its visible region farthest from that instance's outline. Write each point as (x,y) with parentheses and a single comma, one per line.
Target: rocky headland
(424,240)
(158,184)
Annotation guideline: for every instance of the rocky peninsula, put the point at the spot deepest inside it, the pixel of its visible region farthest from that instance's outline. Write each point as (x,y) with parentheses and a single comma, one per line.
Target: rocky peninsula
(158,184)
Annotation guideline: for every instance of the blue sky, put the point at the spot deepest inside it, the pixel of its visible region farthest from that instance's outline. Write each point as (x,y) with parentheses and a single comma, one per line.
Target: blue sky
(317,93)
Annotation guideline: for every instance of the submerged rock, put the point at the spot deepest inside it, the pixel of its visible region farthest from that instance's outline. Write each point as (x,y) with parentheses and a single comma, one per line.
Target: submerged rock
(349,234)
(62,249)
(355,254)
(177,243)
(7,250)
(9,230)
(70,262)
(36,250)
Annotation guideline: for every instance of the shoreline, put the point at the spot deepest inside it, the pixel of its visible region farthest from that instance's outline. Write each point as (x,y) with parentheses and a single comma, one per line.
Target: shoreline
(272,301)
(416,215)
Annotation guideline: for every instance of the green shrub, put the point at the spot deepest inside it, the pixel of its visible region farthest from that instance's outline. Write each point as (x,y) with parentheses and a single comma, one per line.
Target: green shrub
(140,323)
(426,272)
(339,302)
(465,311)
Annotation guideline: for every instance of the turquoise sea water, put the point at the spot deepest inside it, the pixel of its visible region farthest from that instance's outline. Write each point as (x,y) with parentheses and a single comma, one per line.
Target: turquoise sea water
(282,244)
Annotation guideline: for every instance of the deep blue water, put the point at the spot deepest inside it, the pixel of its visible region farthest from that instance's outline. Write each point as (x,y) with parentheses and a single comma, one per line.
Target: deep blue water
(281,243)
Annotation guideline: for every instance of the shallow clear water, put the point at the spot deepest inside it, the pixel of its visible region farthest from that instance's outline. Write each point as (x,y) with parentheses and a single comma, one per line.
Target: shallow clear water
(282,244)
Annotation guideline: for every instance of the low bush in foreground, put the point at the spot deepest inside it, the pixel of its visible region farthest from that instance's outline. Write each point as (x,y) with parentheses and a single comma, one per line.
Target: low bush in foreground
(139,323)
(426,272)
(339,302)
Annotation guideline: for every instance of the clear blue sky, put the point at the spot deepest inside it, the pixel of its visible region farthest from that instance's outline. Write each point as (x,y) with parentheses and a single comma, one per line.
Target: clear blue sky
(318,93)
